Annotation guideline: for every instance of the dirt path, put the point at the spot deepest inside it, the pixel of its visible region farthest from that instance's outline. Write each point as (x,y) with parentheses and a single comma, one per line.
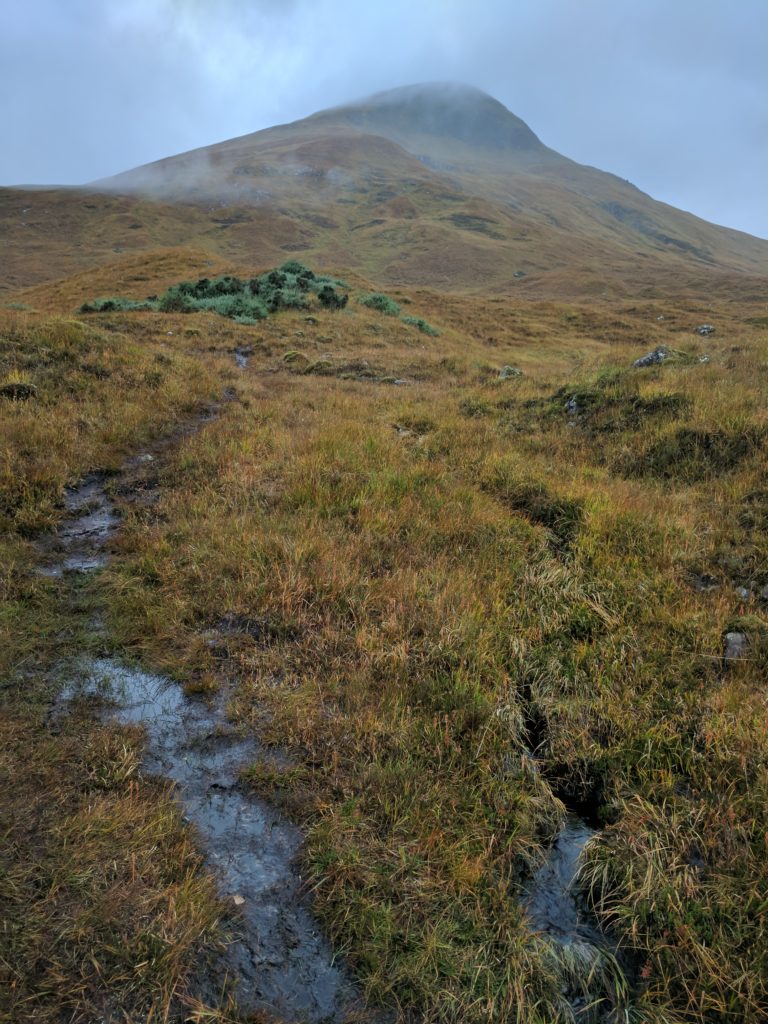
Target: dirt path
(279,960)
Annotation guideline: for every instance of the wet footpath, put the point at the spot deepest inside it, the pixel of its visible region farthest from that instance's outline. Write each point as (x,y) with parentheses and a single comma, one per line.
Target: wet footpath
(278,959)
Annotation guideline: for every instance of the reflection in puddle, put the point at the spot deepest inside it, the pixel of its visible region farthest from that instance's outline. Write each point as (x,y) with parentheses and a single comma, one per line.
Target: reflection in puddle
(283,964)
(553,904)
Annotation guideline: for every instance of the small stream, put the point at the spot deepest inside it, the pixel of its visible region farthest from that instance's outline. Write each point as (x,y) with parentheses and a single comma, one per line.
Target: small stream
(595,985)
(552,902)
(279,959)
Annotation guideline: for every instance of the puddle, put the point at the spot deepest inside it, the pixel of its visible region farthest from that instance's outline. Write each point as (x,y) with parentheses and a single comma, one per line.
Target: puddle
(280,960)
(79,545)
(552,902)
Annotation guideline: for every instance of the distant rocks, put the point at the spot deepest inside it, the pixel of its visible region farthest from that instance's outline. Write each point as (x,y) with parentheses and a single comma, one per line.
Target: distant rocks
(508,372)
(653,358)
(663,354)
(705,330)
(736,646)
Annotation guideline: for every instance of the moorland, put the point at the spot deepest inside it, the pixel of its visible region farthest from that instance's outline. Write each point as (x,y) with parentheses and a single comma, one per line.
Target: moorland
(410,509)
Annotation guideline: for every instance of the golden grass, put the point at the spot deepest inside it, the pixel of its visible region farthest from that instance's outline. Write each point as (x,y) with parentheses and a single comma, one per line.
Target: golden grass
(433,578)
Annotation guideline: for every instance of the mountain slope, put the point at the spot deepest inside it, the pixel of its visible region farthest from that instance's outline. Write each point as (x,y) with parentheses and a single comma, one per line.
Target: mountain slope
(437,185)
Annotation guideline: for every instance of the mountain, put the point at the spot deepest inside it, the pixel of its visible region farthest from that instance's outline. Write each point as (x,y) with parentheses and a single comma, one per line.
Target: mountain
(435,184)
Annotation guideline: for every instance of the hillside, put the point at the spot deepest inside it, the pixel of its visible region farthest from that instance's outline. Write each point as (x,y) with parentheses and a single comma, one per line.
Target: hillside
(384,587)
(434,185)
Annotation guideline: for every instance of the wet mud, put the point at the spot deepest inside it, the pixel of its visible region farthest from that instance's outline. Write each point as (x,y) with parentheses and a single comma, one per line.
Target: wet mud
(81,540)
(278,961)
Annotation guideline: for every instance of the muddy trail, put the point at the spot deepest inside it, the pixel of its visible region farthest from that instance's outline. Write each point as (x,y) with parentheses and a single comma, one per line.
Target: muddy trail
(278,962)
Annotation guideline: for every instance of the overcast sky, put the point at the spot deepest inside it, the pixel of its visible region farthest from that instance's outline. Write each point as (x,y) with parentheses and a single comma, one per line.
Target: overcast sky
(671,94)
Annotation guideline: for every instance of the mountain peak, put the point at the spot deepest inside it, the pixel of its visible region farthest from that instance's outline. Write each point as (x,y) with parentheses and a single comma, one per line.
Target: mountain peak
(448,110)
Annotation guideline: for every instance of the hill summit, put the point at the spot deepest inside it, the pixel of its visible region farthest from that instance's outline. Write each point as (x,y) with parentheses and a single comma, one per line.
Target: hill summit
(437,184)
(449,110)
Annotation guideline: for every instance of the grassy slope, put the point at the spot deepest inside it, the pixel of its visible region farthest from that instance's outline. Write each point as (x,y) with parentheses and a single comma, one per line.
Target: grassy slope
(106,907)
(428,578)
(336,197)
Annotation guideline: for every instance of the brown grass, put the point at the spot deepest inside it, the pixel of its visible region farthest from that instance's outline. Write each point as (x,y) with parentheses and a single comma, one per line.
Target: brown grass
(433,578)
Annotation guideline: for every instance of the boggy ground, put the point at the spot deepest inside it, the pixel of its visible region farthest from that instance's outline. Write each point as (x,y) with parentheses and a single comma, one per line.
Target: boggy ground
(453,601)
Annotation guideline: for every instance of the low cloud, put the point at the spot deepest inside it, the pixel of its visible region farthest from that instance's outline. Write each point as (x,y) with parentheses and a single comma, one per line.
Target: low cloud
(671,96)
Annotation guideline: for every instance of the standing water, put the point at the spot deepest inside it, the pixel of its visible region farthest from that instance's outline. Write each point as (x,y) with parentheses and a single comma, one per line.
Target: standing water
(552,903)
(280,960)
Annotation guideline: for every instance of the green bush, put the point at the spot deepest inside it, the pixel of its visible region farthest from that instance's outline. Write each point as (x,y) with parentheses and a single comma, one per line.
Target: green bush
(287,287)
(423,326)
(113,305)
(380,302)
(330,298)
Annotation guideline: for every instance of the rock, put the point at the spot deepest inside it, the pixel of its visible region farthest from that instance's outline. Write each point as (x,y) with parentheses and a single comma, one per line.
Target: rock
(572,406)
(400,381)
(652,358)
(238,900)
(18,391)
(764,593)
(704,359)
(506,372)
(743,592)
(736,646)
(705,329)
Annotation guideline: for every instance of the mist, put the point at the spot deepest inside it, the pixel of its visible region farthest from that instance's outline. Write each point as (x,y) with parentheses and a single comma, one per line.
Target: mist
(671,97)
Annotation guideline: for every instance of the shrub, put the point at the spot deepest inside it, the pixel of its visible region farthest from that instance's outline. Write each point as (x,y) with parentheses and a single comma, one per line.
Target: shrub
(175,301)
(380,302)
(423,326)
(115,305)
(331,299)
(285,287)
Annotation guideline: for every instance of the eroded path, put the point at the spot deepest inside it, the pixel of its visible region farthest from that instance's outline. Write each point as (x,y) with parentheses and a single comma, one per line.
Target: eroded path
(278,960)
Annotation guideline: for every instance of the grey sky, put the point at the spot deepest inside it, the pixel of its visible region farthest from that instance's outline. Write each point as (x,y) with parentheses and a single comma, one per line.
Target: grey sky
(671,94)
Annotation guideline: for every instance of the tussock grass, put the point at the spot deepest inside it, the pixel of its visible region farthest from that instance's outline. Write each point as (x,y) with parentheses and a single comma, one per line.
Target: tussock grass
(106,907)
(449,606)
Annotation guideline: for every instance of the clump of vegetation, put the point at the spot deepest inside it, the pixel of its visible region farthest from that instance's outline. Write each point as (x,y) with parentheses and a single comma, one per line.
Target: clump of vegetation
(614,402)
(330,298)
(422,325)
(690,454)
(116,305)
(290,286)
(381,303)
